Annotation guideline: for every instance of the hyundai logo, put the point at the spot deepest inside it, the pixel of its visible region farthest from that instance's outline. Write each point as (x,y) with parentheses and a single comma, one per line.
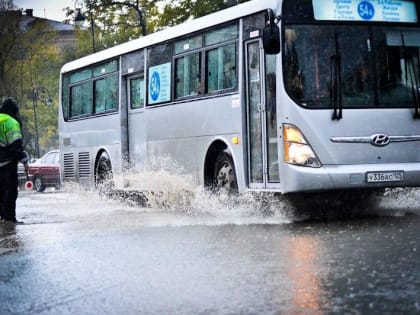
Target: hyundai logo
(379,140)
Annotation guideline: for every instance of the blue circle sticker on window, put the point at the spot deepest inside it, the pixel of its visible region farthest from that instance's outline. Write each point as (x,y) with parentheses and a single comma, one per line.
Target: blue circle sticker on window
(154,87)
(366,10)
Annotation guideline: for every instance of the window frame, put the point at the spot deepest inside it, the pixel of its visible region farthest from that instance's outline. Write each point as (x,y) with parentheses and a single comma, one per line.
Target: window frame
(202,51)
(130,79)
(104,79)
(206,64)
(91,81)
(200,75)
(70,111)
(375,88)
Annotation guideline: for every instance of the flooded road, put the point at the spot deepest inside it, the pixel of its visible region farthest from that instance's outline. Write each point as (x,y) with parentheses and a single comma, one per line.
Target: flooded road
(78,253)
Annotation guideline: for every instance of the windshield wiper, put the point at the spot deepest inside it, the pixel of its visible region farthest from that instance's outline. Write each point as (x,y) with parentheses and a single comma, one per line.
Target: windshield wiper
(336,95)
(410,76)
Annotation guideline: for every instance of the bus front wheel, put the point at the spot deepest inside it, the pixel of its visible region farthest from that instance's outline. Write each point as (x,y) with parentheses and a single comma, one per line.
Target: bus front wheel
(224,173)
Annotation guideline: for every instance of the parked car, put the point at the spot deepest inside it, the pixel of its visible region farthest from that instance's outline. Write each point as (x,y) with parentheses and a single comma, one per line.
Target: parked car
(21,176)
(45,172)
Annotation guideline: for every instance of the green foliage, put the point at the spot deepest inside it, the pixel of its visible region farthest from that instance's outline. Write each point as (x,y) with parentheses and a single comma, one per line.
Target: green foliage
(112,22)
(31,63)
(176,12)
(9,41)
(38,77)
(109,23)
(6,5)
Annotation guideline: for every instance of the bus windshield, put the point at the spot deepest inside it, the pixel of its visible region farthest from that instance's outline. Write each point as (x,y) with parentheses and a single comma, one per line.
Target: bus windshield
(360,66)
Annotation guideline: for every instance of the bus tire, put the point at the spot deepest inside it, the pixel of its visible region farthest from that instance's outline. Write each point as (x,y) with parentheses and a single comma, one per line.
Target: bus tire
(224,174)
(103,174)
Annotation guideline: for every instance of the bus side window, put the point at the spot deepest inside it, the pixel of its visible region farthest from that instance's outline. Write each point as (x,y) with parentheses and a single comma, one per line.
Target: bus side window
(65,96)
(187,74)
(111,90)
(137,93)
(81,99)
(99,96)
(221,68)
(106,93)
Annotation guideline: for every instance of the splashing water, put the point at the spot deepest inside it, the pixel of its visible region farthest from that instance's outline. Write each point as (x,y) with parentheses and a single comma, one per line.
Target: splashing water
(163,187)
(174,193)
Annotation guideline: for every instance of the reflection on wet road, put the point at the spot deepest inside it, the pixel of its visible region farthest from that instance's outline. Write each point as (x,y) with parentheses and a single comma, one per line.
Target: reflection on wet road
(80,254)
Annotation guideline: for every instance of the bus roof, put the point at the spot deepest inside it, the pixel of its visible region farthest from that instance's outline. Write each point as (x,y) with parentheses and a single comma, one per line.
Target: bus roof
(188,27)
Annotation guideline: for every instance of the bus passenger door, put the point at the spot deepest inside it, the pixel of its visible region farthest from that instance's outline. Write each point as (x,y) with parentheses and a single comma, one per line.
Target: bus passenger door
(136,121)
(263,170)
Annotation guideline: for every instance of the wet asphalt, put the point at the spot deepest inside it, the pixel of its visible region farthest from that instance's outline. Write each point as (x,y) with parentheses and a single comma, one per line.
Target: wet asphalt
(79,253)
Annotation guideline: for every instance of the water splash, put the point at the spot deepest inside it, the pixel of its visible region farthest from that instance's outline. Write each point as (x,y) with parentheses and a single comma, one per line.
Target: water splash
(162,186)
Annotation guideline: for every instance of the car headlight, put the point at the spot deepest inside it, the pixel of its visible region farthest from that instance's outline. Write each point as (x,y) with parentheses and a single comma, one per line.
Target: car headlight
(296,149)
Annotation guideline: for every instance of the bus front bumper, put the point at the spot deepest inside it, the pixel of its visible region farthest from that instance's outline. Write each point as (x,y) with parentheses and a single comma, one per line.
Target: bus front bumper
(364,176)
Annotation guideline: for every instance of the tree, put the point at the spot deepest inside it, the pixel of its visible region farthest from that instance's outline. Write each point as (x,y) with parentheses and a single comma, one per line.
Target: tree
(9,37)
(6,5)
(40,69)
(178,11)
(30,62)
(111,22)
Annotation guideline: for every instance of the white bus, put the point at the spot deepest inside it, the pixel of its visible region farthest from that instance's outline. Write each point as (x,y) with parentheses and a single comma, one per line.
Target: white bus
(283,96)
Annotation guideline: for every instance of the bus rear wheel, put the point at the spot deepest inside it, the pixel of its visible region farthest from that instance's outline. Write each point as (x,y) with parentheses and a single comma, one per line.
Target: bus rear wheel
(103,174)
(224,174)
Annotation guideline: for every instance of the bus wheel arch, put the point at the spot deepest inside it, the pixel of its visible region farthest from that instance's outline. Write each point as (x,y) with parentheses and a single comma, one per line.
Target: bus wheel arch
(103,170)
(219,168)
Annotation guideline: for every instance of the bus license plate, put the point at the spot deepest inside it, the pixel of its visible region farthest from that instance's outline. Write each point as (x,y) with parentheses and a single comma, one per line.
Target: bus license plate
(380,177)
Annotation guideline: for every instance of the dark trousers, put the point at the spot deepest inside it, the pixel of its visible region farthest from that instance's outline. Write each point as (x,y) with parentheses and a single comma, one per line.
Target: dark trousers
(8,191)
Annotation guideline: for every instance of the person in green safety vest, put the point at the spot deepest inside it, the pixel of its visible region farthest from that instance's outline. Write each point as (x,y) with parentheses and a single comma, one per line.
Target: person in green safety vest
(11,152)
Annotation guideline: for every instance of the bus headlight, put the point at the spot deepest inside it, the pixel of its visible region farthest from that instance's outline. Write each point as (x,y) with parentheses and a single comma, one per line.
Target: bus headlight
(296,149)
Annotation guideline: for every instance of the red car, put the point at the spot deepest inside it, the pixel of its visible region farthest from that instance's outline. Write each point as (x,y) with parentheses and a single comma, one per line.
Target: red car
(45,172)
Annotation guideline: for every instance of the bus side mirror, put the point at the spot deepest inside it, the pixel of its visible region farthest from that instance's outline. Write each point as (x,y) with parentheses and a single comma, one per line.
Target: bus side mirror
(271,35)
